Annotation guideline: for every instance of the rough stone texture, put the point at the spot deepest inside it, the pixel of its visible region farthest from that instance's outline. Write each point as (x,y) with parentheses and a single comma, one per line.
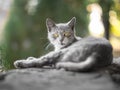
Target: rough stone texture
(52,79)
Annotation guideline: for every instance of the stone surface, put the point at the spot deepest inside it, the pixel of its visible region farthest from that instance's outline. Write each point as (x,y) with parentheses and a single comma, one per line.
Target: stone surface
(52,79)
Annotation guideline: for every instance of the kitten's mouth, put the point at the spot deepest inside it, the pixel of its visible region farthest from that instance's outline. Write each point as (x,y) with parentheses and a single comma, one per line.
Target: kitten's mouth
(62,43)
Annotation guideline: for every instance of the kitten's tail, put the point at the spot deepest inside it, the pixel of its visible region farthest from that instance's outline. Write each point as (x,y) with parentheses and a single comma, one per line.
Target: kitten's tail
(81,66)
(87,65)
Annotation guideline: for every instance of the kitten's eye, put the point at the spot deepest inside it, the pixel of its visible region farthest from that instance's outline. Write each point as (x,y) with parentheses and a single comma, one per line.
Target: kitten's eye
(67,34)
(55,35)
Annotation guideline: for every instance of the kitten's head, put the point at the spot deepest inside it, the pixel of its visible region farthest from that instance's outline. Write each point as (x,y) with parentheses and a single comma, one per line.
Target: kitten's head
(61,35)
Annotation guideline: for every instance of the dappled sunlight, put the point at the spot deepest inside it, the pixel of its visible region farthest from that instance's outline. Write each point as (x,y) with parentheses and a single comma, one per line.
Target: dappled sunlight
(115,24)
(31,6)
(115,32)
(96,27)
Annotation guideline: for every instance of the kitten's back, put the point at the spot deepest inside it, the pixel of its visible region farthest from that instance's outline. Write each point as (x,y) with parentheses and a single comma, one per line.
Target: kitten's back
(94,52)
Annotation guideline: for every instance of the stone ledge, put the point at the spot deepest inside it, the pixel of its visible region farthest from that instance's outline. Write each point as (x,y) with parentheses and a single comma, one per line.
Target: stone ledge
(52,79)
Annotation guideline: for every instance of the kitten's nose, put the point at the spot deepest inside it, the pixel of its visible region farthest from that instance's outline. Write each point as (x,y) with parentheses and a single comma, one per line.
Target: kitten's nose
(61,41)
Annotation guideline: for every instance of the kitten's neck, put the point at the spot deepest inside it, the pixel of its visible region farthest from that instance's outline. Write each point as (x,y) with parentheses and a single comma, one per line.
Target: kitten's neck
(59,47)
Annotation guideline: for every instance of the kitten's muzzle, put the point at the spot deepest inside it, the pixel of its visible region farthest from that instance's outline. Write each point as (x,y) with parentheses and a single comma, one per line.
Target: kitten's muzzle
(62,43)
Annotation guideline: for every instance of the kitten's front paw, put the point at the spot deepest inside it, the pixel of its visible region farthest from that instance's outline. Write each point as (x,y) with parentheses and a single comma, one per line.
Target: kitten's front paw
(30,58)
(19,64)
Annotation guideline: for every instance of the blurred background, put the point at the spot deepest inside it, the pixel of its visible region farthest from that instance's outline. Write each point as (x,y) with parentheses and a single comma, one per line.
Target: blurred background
(23,30)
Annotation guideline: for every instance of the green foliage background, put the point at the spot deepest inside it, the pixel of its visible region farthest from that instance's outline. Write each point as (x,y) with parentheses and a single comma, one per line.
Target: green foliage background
(26,34)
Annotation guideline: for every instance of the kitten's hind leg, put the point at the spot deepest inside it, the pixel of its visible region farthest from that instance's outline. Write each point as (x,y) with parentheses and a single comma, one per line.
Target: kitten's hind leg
(86,65)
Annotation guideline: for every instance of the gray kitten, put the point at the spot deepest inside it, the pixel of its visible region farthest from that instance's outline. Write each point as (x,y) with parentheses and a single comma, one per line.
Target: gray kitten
(71,52)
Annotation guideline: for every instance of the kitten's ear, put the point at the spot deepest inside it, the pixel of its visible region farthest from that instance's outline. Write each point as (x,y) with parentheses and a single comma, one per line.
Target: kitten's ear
(72,22)
(50,23)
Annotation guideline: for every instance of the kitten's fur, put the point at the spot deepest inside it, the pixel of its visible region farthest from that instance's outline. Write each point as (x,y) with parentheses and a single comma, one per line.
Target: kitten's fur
(71,52)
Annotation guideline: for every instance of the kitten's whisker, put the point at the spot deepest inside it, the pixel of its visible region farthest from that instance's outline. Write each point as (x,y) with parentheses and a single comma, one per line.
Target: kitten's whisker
(44,38)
